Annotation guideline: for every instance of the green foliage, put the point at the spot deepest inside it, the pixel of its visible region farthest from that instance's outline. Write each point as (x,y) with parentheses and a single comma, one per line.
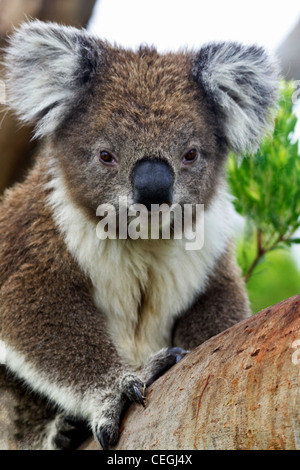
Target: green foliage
(276,279)
(266,188)
(276,276)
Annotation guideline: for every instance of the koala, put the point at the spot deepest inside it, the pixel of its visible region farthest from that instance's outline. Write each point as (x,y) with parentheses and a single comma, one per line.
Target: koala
(88,322)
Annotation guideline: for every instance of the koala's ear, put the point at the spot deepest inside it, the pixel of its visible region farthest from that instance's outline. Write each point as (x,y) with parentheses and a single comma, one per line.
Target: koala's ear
(48,69)
(241,83)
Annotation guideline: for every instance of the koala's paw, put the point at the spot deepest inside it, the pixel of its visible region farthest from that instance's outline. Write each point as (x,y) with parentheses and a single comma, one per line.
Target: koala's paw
(134,389)
(67,433)
(162,361)
(106,423)
(129,388)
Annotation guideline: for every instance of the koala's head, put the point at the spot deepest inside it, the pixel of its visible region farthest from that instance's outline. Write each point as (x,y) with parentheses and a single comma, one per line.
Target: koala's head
(154,128)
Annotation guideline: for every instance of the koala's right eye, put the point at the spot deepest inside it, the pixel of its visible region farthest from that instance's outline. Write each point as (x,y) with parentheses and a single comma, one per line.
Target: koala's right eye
(107,158)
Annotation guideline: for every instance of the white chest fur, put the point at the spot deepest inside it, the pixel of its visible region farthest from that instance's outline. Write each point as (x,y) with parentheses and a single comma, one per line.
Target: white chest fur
(141,286)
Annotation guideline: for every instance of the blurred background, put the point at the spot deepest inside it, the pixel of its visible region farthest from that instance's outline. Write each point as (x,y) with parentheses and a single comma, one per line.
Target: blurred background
(169,25)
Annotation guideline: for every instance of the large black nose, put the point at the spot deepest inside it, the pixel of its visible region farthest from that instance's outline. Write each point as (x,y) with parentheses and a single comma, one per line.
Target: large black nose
(152,183)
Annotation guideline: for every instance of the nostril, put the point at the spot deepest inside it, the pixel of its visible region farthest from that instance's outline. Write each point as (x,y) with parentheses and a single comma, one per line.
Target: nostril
(152,196)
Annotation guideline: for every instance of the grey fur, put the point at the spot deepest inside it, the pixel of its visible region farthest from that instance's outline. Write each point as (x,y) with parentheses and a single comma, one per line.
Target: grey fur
(241,83)
(49,67)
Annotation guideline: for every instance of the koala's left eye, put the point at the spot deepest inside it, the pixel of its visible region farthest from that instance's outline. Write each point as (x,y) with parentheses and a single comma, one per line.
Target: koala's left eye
(190,156)
(107,158)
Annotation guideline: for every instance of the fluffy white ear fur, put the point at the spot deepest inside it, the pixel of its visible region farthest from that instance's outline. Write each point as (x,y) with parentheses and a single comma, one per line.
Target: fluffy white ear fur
(48,65)
(241,84)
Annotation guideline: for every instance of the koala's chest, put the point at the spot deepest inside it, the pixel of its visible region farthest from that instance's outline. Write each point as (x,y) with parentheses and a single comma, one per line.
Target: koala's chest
(142,291)
(140,286)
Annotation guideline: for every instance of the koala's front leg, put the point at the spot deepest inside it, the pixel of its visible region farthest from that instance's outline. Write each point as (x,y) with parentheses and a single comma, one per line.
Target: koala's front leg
(57,342)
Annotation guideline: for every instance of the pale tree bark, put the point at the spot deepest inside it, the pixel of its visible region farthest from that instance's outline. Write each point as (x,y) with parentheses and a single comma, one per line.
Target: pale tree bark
(239,390)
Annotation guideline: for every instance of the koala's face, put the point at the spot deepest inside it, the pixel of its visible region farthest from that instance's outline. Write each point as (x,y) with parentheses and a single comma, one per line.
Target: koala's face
(152,128)
(144,133)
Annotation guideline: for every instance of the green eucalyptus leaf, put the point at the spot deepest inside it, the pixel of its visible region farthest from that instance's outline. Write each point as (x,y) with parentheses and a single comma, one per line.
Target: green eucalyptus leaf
(266,185)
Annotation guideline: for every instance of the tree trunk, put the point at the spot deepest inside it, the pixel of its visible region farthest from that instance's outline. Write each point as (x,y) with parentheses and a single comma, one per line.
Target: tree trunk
(239,390)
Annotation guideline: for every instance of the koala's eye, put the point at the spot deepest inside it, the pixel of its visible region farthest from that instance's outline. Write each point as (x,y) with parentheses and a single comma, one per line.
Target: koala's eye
(190,156)
(107,158)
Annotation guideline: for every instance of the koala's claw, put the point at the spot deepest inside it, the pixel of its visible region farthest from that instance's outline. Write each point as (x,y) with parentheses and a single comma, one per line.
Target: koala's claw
(108,434)
(103,438)
(134,389)
(140,396)
(163,361)
(177,353)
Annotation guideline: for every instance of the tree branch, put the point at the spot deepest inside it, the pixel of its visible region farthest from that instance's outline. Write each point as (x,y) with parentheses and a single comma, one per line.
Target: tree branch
(260,252)
(239,390)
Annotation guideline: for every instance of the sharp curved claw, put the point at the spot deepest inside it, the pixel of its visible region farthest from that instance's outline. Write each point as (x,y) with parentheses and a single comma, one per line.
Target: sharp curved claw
(164,362)
(103,438)
(140,397)
(178,351)
(178,358)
